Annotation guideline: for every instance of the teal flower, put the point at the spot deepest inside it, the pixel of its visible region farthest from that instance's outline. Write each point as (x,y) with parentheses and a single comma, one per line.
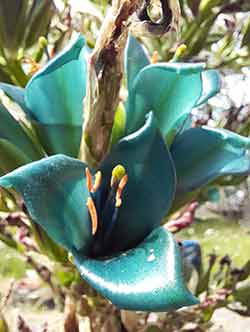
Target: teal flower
(200,155)
(112,222)
(112,227)
(53,103)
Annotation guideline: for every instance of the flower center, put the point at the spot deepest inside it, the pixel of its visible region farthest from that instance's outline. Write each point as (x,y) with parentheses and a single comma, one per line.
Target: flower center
(112,201)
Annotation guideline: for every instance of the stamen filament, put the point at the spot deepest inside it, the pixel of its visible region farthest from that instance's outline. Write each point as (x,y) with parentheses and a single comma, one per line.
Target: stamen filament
(89,179)
(121,186)
(155,57)
(98,180)
(93,214)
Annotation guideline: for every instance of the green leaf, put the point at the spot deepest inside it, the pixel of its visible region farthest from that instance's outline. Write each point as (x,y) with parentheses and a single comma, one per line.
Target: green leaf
(15,93)
(16,147)
(194,6)
(12,24)
(55,194)
(4,77)
(11,157)
(146,278)
(246,34)
(23,22)
(39,18)
(3,324)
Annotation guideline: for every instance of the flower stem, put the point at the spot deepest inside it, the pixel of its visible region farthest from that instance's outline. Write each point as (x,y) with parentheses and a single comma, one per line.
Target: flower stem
(16,70)
(105,72)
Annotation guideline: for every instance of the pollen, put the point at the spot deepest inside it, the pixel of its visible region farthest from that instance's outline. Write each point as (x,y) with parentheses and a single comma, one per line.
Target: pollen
(93,214)
(117,173)
(121,186)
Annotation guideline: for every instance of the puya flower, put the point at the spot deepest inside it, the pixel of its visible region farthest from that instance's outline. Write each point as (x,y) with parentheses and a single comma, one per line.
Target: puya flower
(110,218)
(111,223)
(52,103)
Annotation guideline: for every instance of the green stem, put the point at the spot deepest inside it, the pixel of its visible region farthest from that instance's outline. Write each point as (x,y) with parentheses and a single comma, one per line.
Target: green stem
(17,71)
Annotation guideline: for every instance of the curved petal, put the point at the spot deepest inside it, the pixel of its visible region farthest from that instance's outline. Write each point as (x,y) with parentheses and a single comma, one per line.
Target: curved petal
(211,85)
(203,154)
(55,195)
(54,96)
(55,138)
(149,191)
(17,148)
(146,278)
(135,60)
(170,90)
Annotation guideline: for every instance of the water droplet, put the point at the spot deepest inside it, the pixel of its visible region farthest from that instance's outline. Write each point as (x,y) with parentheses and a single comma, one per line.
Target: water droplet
(151,258)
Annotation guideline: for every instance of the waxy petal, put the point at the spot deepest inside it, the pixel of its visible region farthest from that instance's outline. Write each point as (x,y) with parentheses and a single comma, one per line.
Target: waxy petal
(136,59)
(54,98)
(15,145)
(51,136)
(150,189)
(211,85)
(203,154)
(55,194)
(170,90)
(55,94)
(146,278)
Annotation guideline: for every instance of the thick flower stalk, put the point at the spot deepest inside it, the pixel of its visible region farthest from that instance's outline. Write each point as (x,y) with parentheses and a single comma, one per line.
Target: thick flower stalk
(105,74)
(110,217)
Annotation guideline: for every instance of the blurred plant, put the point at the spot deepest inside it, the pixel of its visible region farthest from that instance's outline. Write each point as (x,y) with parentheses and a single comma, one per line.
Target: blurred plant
(215,31)
(22,23)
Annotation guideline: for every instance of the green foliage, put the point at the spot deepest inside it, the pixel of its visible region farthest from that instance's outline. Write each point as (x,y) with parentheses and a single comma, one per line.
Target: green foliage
(12,263)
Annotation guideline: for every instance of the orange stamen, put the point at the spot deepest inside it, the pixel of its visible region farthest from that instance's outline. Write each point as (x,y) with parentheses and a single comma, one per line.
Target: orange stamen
(89,179)
(93,214)
(155,57)
(121,186)
(98,180)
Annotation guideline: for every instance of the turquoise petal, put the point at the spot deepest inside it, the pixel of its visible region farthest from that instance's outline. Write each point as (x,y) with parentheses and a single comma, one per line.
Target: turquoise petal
(51,136)
(146,278)
(135,60)
(170,90)
(211,85)
(15,93)
(150,188)
(55,194)
(16,147)
(54,96)
(203,154)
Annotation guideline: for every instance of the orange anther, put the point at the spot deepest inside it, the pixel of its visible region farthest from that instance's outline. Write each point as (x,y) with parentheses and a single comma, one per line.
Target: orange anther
(89,179)
(98,180)
(121,186)
(93,214)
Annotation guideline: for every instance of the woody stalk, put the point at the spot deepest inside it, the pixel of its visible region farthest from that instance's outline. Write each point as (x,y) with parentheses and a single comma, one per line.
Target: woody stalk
(105,69)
